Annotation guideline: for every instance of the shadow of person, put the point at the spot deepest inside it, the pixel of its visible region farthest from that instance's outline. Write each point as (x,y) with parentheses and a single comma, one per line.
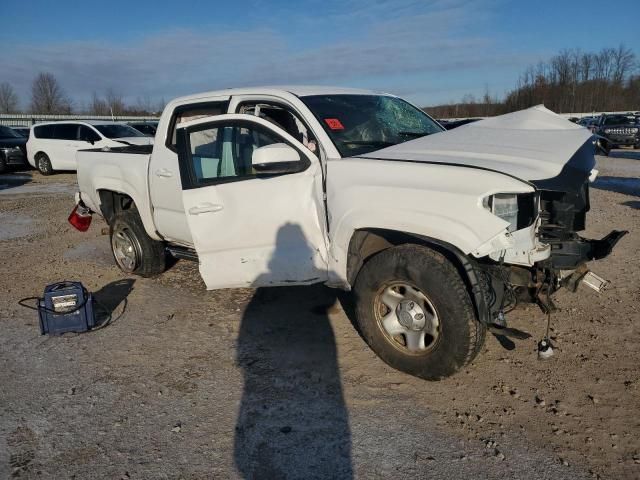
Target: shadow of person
(292,422)
(108,298)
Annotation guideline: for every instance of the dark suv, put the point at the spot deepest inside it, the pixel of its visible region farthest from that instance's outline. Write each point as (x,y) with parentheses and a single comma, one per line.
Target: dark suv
(618,130)
(12,149)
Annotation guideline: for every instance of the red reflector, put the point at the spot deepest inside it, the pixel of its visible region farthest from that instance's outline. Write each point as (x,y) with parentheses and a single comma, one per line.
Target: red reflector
(80,218)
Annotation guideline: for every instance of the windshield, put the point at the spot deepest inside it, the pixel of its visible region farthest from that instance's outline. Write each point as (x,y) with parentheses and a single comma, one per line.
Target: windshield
(6,132)
(117,130)
(359,124)
(620,120)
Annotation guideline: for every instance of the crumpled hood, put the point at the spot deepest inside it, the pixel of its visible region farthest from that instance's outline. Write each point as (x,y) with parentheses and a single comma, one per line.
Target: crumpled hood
(532,144)
(135,140)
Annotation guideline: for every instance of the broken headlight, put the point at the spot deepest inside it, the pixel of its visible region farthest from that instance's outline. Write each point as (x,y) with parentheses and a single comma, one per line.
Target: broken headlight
(520,210)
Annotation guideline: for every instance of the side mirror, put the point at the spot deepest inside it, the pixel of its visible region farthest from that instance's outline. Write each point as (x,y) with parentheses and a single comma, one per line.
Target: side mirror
(276,158)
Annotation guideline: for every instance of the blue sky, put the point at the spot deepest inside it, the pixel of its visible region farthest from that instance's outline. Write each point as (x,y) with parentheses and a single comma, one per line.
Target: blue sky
(428,51)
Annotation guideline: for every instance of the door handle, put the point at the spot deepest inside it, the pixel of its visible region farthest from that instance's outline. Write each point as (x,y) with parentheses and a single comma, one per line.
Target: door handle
(164,172)
(204,208)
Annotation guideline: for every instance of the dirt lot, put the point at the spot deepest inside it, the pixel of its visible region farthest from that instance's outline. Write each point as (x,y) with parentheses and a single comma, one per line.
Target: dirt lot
(185,383)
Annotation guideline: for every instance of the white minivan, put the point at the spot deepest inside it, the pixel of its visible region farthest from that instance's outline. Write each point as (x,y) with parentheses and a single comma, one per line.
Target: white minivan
(53,146)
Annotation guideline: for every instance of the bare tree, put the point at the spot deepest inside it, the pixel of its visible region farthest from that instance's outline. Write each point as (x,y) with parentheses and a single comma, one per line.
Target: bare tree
(8,98)
(144,105)
(47,96)
(160,105)
(115,103)
(623,61)
(586,66)
(98,106)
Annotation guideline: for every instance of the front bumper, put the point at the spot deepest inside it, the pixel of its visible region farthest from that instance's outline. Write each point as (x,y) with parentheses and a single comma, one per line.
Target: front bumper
(13,157)
(572,253)
(622,140)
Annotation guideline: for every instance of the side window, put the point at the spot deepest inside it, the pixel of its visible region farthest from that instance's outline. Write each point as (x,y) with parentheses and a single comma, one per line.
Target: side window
(88,135)
(66,131)
(43,131)
(224,153)
(186,113)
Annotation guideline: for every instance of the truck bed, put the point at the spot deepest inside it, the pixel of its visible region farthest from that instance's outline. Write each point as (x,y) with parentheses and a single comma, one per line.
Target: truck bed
(123,170)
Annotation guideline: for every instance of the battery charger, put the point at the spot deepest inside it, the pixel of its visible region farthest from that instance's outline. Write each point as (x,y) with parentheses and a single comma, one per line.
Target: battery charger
(64,307)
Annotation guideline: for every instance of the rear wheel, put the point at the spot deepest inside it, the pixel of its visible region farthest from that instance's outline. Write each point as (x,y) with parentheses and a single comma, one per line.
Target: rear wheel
(414,311)
(133,250)
(3,165)
(43,164)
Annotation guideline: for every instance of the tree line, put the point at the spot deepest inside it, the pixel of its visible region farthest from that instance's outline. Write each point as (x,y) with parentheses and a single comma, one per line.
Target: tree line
(48,97)
(571,81)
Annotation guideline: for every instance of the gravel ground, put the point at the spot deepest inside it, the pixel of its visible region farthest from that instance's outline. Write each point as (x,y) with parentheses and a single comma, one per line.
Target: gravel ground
(275,383)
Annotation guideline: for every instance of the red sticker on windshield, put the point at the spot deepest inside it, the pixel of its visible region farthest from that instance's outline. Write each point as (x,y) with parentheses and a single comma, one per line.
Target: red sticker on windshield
(334,123)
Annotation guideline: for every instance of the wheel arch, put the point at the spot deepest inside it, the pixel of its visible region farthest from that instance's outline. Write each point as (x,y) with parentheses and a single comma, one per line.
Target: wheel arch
(366,242)
(113,201)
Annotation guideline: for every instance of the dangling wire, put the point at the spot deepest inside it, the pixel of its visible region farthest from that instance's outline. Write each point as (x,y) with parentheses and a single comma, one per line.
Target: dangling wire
(548,307)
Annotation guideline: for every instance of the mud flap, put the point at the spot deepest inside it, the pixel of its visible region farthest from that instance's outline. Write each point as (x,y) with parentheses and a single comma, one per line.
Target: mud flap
(603,247)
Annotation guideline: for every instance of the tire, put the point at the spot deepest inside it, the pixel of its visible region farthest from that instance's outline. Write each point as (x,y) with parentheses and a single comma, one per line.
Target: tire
(43,164)
(133,250)
(456,334)
(3,165)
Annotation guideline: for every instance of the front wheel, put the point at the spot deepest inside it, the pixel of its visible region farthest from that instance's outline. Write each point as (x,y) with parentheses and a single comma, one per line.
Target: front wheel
(133,250)
(415,312)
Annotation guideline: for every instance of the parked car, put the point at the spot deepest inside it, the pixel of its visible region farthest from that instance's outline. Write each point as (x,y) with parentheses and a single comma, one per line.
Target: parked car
(12,149)
(147,128)
(437,233)
(617,131)
(53,146)
(22,131)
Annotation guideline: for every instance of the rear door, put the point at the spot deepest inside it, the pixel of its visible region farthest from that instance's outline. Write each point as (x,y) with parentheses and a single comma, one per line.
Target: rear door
(54,147)
(66,145)
(251,228)
(164,176)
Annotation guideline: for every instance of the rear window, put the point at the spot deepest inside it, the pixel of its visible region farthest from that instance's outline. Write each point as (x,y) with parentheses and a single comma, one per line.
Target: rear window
(57,131)
(186,113)
(43,131)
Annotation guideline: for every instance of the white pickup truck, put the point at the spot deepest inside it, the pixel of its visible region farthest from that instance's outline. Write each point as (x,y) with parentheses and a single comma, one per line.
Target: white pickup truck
(438,234)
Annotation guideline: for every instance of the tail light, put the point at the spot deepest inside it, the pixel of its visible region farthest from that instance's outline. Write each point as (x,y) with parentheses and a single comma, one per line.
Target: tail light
(80,218)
